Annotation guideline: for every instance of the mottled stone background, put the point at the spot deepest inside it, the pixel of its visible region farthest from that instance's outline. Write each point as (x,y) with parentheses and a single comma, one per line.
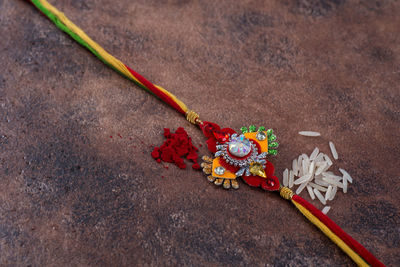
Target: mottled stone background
(72,195)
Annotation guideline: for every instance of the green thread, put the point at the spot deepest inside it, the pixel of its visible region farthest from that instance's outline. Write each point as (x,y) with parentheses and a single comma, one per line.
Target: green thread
(64,28)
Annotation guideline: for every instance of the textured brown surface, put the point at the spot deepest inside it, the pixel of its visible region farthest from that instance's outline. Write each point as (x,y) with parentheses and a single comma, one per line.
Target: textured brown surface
(71,195)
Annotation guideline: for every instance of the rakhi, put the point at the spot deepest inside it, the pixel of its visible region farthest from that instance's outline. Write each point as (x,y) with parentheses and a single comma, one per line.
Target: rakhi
(236,155)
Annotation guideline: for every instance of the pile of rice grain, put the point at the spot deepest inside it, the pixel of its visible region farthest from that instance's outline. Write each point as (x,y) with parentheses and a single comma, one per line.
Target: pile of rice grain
(312,173)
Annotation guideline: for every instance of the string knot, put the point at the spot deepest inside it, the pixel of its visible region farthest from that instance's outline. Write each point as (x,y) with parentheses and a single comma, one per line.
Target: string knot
(286,192)
(193,117)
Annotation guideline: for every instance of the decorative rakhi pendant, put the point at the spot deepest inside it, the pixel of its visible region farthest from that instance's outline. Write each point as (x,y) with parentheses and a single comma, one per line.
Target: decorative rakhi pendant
(240,155)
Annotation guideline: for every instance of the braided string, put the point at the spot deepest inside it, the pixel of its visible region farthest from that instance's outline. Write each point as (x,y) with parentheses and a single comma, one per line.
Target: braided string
(62,22)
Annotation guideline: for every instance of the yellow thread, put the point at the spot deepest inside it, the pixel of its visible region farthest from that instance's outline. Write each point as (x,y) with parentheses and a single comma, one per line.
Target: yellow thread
(192,117)
(286,192)
(339,242)
(104,54)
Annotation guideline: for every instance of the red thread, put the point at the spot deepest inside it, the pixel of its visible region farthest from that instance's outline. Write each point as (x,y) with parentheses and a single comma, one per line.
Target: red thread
(351,242)
(156,91)
(177,146)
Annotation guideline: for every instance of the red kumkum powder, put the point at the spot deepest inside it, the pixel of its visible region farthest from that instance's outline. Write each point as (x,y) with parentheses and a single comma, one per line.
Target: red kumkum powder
(177,146)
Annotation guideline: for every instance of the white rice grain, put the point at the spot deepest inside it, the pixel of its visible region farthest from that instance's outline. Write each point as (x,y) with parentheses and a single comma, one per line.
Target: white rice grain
(320,188)
(328,159)
(295,167)
(311,170)
(313,173)
(309,133)
(319,196)
(333,176)
(321,182)
(328,193)
(314,154)
(299,161)
(301,173)
(291,180)
(333,150)
(327,167)
(303,179)
(326,209)
(320,157)
(332,182)
(306,166)
(321,168)
(347,175)
(300,188)
(286,177)
(291,177)
(333,193)
(310,192)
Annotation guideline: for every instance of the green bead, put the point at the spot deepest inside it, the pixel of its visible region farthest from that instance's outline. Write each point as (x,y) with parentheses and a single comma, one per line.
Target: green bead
(273,145)
(244,130)
(252,128)
(270,132)
(261,128)
(272,138)
(272,152)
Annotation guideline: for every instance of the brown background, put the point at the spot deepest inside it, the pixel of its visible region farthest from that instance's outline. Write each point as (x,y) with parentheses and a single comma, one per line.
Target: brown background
(71,195)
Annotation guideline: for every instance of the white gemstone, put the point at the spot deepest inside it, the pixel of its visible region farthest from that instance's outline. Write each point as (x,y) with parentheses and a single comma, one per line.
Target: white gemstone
(219,170)
(239,146)
(261,136)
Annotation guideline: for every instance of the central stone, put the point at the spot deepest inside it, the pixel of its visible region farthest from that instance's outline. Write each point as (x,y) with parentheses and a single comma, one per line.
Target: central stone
(239,146)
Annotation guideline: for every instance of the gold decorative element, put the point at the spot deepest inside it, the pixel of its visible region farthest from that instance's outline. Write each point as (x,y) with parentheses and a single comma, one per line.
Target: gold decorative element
(211,178)
(227,179)
(205,165)
(193,117)
(219,181)
(235,184)
(207,170)
(286,192)
(257,169)
(207,159)
(227,184)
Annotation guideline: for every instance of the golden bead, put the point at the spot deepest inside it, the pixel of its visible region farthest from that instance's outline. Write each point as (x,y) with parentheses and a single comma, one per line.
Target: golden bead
(218,181)
(286,192)
(193,117)
(211,178)
(227,184)
(235,184)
